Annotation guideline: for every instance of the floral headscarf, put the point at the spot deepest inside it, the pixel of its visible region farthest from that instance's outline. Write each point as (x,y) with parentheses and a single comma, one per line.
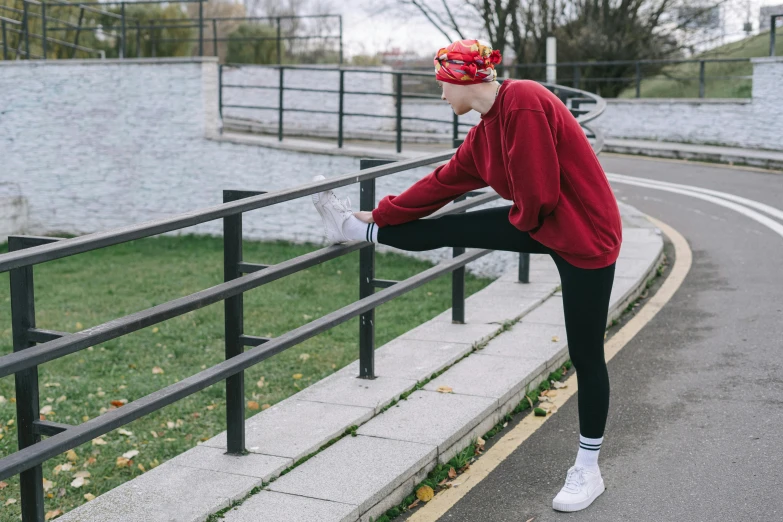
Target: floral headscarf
(466,62)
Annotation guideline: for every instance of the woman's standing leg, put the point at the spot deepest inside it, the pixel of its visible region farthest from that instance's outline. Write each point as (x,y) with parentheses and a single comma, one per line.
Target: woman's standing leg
(586,295)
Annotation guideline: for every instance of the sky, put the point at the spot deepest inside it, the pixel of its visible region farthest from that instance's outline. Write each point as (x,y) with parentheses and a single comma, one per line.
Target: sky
(368,28)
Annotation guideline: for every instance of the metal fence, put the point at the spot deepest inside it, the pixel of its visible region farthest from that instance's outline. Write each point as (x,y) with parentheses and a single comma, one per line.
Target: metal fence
(34,346)
(572,97)
(141,37)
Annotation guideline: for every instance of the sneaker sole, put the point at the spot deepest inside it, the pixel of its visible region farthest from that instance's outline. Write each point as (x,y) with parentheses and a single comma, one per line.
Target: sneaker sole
(559,506)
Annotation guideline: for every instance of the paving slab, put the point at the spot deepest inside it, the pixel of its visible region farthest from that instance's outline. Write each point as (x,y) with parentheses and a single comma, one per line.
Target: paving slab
(270,506)
(431,417)
(502,304)
(166,493)
(534,341)
(413,359)
(345,387)
(216,459)
(473,333)
(551,312)
(294,428)
(492,376)
(357,470)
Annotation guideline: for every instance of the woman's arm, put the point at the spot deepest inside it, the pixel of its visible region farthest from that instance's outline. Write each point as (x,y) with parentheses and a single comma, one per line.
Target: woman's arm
(433,191)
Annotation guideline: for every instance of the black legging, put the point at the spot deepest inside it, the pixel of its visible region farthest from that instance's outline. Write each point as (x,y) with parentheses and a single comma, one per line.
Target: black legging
(585,293)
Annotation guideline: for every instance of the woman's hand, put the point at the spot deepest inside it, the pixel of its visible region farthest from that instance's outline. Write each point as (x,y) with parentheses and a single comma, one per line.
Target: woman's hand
(365,217)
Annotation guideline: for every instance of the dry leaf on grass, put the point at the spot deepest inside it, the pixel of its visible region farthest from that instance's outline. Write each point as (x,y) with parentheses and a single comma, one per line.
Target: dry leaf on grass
(252,405)
(123,431)
(98,442)
(425,493)
(157,369)
(71,455)
(79,482)
(414,504)
(452,473)
(130,454)
(47,484)
(10,501)
(52,514)
(89,496)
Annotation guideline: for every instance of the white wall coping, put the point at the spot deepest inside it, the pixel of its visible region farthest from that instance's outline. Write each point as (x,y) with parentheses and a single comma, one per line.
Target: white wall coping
(689,101)
(767,59)
(113,61)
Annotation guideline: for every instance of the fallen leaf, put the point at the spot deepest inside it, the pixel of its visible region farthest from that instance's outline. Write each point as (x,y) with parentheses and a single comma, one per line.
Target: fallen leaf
(265,406)
(425,493)
(122,461)
(260,384)
(130,454)
(51,384)
(123,431)
(303,357)
(3,485)
(155,330)
(445,389)
(51,514)
(119,402)
(452,473)
(555,338)
(141,467)
(414,504)
(89,461)
(61,398)
(47,484)
(83,474)
(558,385)
(79,482)
(46,410)
(252,405)
(10,501)
(89,496)
(79,326)
(297,376)
(98,442)
(71,455)
(157,369)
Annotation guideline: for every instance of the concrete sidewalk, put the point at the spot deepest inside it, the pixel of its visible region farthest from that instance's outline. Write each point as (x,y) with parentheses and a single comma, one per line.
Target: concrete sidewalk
(361,477)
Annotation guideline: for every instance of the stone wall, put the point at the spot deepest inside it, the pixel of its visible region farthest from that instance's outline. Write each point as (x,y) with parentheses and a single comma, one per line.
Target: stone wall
(750,123)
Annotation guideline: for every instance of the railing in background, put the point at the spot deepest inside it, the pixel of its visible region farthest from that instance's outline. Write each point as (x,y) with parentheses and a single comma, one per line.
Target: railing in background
(772,21)
(33,346)
(572,97)
(147,32)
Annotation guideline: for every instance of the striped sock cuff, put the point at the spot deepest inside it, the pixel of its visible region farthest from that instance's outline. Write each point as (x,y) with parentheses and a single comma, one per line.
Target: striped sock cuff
(590,444)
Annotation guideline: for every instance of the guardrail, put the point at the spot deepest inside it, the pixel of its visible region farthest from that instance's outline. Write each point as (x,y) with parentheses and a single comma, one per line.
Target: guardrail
(572,97)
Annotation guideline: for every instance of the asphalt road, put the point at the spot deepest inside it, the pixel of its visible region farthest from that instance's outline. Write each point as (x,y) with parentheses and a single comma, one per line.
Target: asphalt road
(695,428)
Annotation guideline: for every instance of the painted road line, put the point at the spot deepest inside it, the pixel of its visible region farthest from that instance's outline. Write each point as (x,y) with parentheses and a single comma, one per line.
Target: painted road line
(695,163)
(772,211)
(479,470)
(752,214)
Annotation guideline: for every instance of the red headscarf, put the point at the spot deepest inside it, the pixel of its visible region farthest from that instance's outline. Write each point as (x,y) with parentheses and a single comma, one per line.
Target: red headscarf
(466,62)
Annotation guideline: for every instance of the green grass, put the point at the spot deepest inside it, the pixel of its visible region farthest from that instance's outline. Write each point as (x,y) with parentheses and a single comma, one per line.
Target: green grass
(682,80)
(81,291)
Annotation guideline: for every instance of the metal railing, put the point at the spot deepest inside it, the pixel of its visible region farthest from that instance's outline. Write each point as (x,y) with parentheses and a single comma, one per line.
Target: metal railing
(146,30)
(772,21)
(572,97)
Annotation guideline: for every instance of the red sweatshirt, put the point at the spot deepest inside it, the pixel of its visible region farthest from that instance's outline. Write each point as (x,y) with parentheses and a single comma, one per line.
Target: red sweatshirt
(533,152)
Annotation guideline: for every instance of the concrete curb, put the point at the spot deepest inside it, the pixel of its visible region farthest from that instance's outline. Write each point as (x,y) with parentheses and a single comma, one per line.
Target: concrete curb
(363,476)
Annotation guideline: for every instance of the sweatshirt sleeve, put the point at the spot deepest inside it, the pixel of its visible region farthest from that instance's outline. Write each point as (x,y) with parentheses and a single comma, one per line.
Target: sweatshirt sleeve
(534,169)
(447,182)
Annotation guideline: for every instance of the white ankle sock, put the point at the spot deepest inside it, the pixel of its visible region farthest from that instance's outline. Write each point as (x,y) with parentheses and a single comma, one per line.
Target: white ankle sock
(356,229)
(588,452)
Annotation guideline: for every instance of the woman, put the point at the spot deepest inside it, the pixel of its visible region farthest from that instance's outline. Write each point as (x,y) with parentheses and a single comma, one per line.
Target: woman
(533,152)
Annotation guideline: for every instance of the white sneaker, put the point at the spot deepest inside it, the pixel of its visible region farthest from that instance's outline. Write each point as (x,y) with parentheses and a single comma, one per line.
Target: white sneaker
(582,486)
(333,213)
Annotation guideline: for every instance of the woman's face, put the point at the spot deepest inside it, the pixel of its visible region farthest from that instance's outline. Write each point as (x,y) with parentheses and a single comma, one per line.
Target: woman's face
(457,96)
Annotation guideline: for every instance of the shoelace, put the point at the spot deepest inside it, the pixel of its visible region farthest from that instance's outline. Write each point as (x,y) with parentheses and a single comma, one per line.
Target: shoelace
(575,479)
(345,203)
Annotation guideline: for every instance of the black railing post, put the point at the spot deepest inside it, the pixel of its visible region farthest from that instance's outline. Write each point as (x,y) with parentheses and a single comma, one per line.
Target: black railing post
(458,275)
(220,92)
(701,78)
(455,129)
(153,50)
(524,267)
(26,28)
(214,37)
(340,110)
(279,50)
(772,20)
(27,401)
(122,36)
(78,32)
(234,325)
(201,28)
(398,99)
(5,40)
(138,39)
(638,80)
(577,76)
(280,108)
(367,276)
(43,29)
(341,39)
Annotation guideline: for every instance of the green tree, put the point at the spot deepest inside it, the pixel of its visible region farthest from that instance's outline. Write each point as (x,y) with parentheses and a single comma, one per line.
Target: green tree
(253,43)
